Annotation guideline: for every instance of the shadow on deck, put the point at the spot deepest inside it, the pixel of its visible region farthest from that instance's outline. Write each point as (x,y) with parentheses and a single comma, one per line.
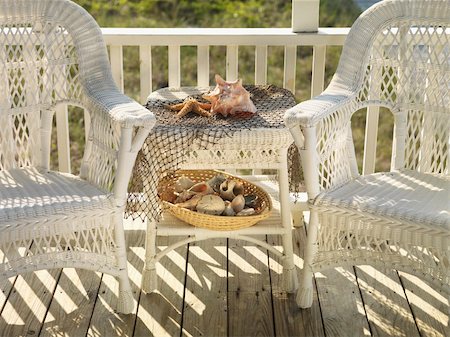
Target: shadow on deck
(221,287)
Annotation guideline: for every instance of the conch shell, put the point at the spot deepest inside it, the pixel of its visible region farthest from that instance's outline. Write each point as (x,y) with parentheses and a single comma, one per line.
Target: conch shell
(201,188)
(191,204)
(230,98)
(229,189)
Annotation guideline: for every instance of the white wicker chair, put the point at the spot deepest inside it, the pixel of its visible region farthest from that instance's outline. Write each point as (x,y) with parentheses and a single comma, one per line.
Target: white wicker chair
(52,52)
(397,55)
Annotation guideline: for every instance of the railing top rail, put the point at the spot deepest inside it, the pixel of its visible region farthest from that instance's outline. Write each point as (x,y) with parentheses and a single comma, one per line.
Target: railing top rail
(222,36)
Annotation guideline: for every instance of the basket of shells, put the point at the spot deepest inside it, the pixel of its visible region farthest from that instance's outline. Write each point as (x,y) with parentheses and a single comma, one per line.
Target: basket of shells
(214,199)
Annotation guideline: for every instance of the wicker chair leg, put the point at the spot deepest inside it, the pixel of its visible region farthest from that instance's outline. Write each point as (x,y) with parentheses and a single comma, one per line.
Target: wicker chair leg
(305,293)
(125,303)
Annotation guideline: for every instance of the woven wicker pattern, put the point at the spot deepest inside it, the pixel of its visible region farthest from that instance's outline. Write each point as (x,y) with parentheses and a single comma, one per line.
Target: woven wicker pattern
(397,55)
(262,208)
(52,52)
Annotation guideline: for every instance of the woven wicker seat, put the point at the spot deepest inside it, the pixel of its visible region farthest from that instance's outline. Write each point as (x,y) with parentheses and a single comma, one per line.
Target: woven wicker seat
(51,54)
(29,193)
(397,55)
(407,195)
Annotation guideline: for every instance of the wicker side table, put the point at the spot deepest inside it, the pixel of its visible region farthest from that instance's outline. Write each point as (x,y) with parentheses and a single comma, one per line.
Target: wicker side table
(249,147)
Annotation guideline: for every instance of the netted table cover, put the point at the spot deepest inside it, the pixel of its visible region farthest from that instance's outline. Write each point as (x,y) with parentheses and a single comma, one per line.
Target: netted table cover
(173,140)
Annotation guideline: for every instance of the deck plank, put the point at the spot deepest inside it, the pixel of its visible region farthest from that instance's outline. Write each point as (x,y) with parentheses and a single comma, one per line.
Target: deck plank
(72,304)
(250,313)
(105,320)
(249,292)
(430,307)
(6,285)
(289,319)
(385,302)
(341,304)
(159,313)
(25,310)
(206,313)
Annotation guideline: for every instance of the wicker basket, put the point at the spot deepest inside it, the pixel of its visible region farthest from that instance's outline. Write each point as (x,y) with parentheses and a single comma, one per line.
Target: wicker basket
(218,222)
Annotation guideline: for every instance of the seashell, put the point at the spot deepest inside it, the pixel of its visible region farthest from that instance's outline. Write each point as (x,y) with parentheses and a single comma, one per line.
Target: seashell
(229,189)
(216,181)
(211,204)
(251,200)
(230,98)
(228,211)
(191,203)
(201,188)
(183,183)
(247,211)
(238,203)
(184,196)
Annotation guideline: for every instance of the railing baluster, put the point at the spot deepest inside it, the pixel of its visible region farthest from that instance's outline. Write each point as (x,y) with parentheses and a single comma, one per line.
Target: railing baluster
(62,138)
(232,74)
(62,128)
(87,124)
(260,75)
(116,59)
(232,63)
(261,65)
(370,141)
(174,66)
(290,61)
(372,116)
(203,66)
(145,69)
(318,70)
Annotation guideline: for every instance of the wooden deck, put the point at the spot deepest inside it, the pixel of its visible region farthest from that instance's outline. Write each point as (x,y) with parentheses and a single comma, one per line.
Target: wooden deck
(221,288)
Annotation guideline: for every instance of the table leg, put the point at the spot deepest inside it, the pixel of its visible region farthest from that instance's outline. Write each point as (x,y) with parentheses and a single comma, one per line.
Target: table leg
(149,275)
(289,273)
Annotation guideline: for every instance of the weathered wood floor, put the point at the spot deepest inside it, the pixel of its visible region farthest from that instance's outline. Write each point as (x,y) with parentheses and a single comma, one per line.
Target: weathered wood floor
(221,288)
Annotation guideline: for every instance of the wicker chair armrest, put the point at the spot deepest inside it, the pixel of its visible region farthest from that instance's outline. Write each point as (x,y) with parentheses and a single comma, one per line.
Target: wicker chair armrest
(321,128)
(121,108)
(112,115)
(310,112)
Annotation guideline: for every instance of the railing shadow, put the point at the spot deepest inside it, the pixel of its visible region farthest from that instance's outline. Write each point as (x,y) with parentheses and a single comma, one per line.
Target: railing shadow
(77,302)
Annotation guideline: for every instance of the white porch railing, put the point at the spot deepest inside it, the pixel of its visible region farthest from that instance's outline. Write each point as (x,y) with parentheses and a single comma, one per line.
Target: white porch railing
(232,38)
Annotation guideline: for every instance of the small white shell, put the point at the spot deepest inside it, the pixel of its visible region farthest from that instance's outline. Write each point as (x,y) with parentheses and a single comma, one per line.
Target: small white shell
(228,211)
(247,211)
